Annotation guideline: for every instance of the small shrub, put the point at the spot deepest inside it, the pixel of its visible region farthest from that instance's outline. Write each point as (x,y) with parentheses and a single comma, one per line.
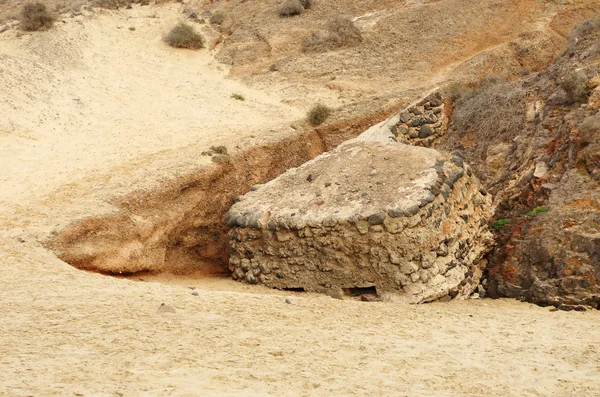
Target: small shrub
(341,32)
(500,223)
(579,32)
(492,110)
(184,36)
(575,86)
(344,31)
(537,210)
(221,158)
(590,127)
(238,97)
(318,114)
(219,149)
(217,18)
(306,4)
(35,16)
(290,8)
(112,4)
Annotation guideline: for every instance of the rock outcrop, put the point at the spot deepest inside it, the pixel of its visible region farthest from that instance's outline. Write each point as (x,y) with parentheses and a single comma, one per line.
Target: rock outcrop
(544,176)
(371,213)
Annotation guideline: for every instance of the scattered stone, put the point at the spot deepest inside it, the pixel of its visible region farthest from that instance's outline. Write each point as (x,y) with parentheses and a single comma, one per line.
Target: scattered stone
(405,116)
(164,308)
(195,293)
(288,301)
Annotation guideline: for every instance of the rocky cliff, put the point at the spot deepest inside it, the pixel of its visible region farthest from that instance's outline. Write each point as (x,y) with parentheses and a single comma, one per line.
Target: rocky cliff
(535,143)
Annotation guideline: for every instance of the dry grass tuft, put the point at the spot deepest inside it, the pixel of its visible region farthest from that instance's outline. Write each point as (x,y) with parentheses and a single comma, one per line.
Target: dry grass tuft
(217,18)
(575,86)
(306,4)
(184,36)
(318,114)
(35,16)
(290,8)
(495,109)
(341,32)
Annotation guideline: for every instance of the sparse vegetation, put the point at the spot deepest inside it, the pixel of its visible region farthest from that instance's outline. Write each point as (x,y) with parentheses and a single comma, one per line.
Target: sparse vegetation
(116,4)
(318,114)
(35,16)
(500,223)
(219,149)
(306,4)
(494,109)
(290,8)
(217,18)
(537,210)
(582,30)
(341,33)
(184,36)
(575,86)
(238,97)
(590,126)
(221,158)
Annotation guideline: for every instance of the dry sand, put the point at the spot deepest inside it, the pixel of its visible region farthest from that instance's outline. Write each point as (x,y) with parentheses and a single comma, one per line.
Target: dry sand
(84,120)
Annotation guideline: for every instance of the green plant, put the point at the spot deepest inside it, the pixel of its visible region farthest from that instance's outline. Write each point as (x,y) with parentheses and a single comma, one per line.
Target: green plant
(537,210)
(500,223)
(290,8)
(35,16)
(184,36)
(238,97)
(217,18)
(318,114)
(575,85)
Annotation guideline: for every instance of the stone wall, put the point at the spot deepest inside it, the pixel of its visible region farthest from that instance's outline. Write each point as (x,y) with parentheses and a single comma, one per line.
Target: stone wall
(422,123)
(371,213)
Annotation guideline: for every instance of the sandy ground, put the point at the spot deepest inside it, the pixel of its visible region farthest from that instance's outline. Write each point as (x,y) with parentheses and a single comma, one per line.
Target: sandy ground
(92,107)
(65,332)
(83,123)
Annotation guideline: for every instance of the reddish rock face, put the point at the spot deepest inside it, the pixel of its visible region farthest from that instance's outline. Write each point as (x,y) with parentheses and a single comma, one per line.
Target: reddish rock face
(545,178)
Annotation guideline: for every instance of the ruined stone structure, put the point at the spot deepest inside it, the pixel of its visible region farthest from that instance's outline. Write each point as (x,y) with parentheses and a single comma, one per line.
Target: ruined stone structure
(421,123)
(372,213)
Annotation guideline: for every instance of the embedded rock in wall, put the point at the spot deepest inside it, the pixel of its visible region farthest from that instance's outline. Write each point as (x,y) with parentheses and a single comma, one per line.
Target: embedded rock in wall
(421,123)
(371,213)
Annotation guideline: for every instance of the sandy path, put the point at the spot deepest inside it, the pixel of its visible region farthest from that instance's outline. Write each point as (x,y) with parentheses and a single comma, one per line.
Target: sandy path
(65,332)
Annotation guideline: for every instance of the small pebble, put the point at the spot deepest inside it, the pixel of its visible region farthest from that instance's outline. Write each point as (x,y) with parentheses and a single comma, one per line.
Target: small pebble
(164,308)
(373,172)
(288,301)
(195,293)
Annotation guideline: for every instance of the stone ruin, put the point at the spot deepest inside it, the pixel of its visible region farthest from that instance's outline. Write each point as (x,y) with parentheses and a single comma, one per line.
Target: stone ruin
(406,220)
(421,123)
